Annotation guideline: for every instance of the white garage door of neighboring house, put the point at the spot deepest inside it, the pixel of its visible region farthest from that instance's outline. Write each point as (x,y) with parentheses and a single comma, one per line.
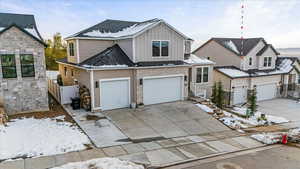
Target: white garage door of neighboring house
(266,92)
(239,95)
(162,89)
(114,93)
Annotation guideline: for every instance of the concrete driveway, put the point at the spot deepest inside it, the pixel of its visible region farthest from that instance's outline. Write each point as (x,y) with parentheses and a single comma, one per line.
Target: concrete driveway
(167,120)
(286,108)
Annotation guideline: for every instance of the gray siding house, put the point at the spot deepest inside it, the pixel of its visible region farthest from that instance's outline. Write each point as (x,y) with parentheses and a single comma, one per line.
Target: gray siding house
(126,63)
(23,84)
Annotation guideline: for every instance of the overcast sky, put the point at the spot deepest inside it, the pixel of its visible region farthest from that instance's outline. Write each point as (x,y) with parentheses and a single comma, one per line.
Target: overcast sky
(275,20)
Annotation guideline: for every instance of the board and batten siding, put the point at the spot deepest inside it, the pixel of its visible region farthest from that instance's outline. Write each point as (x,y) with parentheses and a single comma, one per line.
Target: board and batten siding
(143,44)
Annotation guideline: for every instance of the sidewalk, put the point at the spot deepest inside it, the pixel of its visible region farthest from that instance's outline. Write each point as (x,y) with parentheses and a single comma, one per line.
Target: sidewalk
(154,154)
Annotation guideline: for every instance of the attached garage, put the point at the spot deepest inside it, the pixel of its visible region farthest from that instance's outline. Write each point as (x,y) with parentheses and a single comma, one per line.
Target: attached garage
(266,91)
(239,95)
(162,89)
(114,93)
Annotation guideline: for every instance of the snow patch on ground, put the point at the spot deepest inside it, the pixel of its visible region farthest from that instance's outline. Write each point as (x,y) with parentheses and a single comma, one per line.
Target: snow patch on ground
(232,122)
(267,138)
(205,108)
(29,137)
(101,163)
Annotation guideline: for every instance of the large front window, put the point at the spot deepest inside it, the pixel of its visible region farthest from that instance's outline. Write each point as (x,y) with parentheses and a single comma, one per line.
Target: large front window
(267,61)
(8,63)
(202,75)
(160,48)
(27,65)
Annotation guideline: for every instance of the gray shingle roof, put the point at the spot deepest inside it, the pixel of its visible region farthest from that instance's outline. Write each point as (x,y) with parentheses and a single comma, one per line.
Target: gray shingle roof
(249,44)
(112,26)
(262,51)
(22,21)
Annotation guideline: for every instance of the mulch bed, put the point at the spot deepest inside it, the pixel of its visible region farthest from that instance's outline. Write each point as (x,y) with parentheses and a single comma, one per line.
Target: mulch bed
(55,111)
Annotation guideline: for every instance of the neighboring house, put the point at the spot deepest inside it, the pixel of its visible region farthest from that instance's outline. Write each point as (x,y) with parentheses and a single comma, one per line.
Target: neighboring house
(22,65)
(134,63)
(242,65)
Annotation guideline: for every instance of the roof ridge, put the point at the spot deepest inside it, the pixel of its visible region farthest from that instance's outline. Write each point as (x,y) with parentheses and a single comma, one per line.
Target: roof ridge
(16,14)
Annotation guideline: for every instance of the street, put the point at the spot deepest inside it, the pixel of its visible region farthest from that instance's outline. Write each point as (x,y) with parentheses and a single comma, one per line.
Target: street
(275,157)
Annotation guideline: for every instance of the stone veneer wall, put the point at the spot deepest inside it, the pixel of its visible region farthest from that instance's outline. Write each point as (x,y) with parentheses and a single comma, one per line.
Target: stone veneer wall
(21,95)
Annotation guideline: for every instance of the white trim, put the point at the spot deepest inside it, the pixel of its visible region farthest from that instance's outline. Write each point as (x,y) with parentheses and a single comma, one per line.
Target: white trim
(133,50)
(115,79)
(92,89)
(167,76)
(77,51)
(160,51)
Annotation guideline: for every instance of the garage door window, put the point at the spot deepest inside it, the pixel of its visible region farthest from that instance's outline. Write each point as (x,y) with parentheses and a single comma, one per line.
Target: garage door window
(202,75)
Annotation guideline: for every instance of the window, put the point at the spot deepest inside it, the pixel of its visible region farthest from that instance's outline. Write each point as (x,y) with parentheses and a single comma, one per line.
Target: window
(27,65)
(250,61)
(267,61)
(202,75)
(298,78)
(8,66)
(65,71)
(72,72)
(71,49)
(160,48)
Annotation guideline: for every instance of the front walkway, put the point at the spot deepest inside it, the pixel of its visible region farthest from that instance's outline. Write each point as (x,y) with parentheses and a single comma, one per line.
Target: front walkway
(154,153)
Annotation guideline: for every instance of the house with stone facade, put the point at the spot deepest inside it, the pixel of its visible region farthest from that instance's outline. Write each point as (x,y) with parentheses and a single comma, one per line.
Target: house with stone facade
(125,63)
(23,85)
(248,64)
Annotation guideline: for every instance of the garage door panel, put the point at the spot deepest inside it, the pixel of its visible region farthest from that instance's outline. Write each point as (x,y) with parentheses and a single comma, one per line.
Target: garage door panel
(239,95)
(160,90)
(266,92)
(114,94)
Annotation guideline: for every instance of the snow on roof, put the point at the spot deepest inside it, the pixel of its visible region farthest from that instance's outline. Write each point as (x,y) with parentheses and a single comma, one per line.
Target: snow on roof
(33,32)
(125,32)
(286,65)
(193,59)
(1,28)
(104,66)
(233,72)
(231,46)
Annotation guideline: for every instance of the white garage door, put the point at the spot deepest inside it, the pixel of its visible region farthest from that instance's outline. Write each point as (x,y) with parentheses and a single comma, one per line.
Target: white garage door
(114,94)
(239,95)
(160,90)
(266,92)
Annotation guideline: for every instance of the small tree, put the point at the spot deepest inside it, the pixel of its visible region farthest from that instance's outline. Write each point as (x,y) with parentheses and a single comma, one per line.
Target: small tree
(252,102)
(220,95)
(214,94)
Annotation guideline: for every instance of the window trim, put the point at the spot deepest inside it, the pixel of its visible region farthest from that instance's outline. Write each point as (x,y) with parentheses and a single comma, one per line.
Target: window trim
(269,61)
(160,49)
(202,74)
(33,65)
(15,66)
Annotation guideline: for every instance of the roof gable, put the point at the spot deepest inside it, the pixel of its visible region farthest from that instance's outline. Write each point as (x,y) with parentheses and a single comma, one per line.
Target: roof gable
(26,23)
(264,49)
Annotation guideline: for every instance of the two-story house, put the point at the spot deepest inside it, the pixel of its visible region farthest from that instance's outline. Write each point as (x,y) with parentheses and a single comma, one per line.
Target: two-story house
(245,64)
(126,63)
(23,84)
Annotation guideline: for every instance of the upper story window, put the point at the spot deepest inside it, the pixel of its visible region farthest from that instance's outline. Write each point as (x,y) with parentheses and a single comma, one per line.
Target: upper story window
(267,61)
(71,49)
(160,48)
(27,65)
(8,63)
(202,75)
(250,61)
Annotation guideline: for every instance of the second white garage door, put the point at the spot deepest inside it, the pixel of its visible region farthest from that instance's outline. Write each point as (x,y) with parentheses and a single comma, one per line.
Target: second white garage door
(239,95)
(114,93)
(164,89)
(266,92)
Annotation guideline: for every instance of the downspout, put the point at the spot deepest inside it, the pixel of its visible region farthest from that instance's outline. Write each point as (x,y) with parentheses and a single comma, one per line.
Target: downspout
(230,92)
(92,90)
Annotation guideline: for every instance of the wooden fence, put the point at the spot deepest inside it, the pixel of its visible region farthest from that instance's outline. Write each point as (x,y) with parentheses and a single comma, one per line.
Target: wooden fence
(62,94)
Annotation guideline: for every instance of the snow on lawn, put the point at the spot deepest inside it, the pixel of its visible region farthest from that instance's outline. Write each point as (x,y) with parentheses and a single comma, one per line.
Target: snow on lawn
(205,108)
(270,119)
(29,137)
(101,163)
(267,138)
